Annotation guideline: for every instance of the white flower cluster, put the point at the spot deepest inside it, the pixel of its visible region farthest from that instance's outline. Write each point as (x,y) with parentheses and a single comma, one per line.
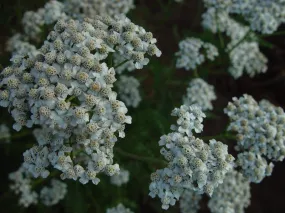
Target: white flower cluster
(91,8)
(18,45)
(68,92)
(189,202)
(120,208)
(232,196)
(22,187)
(193,52)
(264,16)
(34,21)
(121,178)
(5,134)
(261,136)
(243,50)
(128,90)
(200,93)
(50,196)
(192,164)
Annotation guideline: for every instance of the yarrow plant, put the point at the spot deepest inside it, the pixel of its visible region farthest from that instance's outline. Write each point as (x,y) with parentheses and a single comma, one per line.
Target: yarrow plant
(200,93)
(192,163)
(71,90)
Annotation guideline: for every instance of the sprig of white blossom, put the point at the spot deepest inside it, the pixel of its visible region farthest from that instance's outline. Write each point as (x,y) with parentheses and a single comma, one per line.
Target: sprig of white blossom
(192,163)
(244,53)
(193,52)
(67,90)
(260,135)
(200,93)
(22,186)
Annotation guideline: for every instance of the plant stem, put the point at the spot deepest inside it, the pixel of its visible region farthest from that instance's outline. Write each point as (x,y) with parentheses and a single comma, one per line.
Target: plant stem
(120,64)
(140,158)
(273,34)
(70,98)
(218,137)
(240,41)
(195,73)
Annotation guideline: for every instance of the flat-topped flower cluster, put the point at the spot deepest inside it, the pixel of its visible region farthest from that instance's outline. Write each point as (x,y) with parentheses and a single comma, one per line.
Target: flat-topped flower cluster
(192,163)
(260,135)
(67,89)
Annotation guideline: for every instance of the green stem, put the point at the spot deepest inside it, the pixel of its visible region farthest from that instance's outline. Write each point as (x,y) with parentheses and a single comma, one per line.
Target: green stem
(219,32)
(273,34)
(40,180)
(70,98)
(140,158)
(21,134)
(240,41)
(120,64)
(195,73)
(218,137)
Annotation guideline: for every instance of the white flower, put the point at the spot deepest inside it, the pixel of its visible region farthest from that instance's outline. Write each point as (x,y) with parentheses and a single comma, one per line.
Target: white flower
(190,54)
(189,202)
(121,178)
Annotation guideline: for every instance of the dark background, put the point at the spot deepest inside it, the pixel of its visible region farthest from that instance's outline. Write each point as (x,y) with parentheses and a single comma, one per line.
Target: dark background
(169,25)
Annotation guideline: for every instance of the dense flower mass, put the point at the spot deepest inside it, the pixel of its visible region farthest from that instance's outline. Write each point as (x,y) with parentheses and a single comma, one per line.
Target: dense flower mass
(5,135)
(243,49)
(121,178)
(67,89)
(23,186)
(50,196)
(18,45)
(264,16)
(120,208)
(128,90)
(200,93)
(261,136)
(34,21)
(193,52)
(232,196)
(189,202)
(192,163)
